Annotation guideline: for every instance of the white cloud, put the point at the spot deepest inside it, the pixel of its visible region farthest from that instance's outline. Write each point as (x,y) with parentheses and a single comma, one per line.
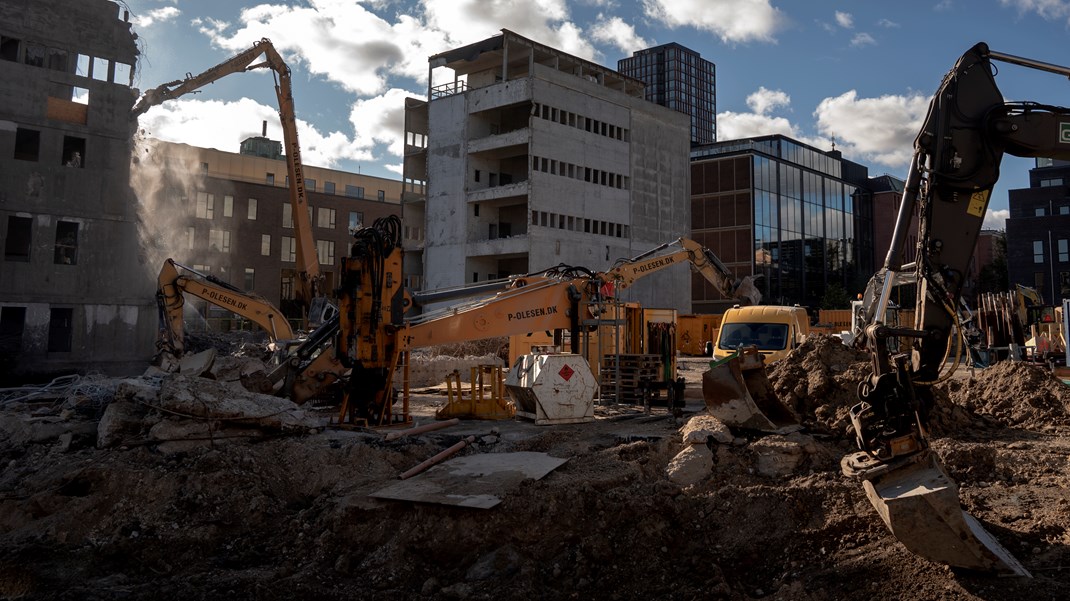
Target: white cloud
(618,33)
(732,126)
(764,100)
(731,20)
(996,219)
(887,24)
(845,20)
(156,15)
(878,129)
(863,39)
(223,125)
(1047,9)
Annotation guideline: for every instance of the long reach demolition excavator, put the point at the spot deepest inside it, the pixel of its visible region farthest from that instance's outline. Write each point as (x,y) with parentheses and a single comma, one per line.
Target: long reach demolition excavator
(175,280)
(955,165)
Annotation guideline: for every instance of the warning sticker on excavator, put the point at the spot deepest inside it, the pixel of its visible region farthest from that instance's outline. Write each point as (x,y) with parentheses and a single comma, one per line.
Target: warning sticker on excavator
(1064,133)
(978,204)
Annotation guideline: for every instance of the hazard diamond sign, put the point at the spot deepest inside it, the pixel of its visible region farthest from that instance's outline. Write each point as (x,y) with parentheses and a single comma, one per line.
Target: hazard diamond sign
(566,372)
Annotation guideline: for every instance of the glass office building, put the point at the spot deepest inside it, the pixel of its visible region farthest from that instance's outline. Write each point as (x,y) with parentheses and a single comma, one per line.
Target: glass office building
(798,217)
(680,79)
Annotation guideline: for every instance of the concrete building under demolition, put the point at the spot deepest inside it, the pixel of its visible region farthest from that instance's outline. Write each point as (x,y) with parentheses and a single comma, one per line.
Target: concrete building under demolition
(74,293)
(229,215)
(529,158)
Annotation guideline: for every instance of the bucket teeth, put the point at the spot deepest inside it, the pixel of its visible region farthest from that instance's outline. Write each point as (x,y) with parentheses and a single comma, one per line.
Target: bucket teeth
(920,505)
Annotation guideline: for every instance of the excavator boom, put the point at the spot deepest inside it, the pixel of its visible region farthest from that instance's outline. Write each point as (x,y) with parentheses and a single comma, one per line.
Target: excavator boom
(956,161)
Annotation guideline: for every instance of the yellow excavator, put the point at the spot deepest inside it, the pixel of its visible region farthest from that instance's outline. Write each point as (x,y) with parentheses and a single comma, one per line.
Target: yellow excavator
(171,285)
(375,337)
(955,165)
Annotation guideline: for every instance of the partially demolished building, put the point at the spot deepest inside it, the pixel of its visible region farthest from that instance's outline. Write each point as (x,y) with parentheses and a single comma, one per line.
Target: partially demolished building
(74,293)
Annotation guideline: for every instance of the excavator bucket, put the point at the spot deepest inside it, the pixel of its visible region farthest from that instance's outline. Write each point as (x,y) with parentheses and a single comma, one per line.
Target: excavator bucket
(738,392)
(920,505)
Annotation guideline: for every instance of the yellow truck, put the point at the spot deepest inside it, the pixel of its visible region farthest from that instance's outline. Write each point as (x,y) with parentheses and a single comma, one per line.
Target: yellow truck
(775,330)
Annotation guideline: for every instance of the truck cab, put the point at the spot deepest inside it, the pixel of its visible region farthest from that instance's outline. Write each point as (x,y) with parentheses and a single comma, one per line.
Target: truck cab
(775,330)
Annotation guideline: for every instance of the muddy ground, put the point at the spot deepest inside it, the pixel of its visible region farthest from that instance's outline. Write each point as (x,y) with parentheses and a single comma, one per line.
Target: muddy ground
(284,512)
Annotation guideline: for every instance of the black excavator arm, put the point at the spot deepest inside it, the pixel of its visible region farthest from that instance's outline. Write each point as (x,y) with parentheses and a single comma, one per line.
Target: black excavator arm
(957,155)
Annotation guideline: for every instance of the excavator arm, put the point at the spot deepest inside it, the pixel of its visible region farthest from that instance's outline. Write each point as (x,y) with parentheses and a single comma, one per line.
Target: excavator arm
(701,259)
(955,165)
(309,279)
(172,287)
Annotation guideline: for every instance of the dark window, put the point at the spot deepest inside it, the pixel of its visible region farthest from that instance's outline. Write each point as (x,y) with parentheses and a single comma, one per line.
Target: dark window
(9,48)
(57,59)
(73,151)
(12,322)
(60,328)
(477,175)
(66,243)
(270,179)
(27,144)
(354,191)
(310,184)
(19,234)
(35,55)
(381,195)
(475,208)
(328,187)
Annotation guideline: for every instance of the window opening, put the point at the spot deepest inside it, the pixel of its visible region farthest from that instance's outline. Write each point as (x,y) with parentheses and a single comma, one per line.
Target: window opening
(60,330)
(12,324)
(73,151)
(27,144)
(19,237)
(66,251)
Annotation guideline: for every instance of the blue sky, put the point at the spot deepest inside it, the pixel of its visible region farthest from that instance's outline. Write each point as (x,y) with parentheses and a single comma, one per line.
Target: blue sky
(860,72)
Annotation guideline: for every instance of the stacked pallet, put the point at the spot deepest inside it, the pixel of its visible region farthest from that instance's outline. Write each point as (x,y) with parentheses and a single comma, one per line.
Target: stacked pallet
(633,373)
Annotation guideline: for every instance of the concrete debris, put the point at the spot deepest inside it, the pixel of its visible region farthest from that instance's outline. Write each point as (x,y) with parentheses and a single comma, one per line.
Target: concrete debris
(204,399)
(195,364)
(123,420)
(700,428)
(781,456)
(691,465)
(432,371)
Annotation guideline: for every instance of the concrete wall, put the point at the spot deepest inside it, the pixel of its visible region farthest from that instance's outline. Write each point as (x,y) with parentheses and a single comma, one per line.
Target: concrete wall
(650,208)
(111,302)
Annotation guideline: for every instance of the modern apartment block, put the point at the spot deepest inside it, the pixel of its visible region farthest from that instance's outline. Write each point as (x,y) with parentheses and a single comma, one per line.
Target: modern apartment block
(528,158)
(229,214)
(73,291)
(799,217)
(1038,231)
(679,78)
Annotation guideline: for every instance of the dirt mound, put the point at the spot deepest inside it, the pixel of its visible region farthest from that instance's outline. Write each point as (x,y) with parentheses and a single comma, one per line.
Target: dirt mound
(819,380)
(1015,394)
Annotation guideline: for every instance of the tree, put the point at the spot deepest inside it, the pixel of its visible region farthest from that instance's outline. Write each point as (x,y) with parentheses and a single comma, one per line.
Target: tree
(835,297)
(994,276)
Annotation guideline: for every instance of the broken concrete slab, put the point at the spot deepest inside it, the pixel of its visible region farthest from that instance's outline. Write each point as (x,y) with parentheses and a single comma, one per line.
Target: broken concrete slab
(181,435)
(700,428)
(201,398)
(197,364)
(691,465)
(122,420)
(478,481)
(780,456)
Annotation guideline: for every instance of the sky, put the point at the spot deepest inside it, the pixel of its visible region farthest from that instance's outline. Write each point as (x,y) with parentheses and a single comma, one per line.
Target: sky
(855,73)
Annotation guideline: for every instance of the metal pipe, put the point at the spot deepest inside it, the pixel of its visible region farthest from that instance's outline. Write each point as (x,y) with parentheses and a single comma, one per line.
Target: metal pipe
(421,429)
(1028,62)
(437,458)
(893,260)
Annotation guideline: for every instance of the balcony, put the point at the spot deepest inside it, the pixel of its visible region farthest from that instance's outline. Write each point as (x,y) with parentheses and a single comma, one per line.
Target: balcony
(518,189)
(512,245)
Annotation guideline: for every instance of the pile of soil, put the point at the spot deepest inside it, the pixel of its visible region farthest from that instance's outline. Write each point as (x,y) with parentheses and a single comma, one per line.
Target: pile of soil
(819,381)
(1015,394)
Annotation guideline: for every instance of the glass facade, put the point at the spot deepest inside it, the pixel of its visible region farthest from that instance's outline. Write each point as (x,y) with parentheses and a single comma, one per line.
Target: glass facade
(680,79)
(811,228)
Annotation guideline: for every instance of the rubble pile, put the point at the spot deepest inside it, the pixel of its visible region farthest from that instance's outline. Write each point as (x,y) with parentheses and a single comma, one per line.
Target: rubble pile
(193,487)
